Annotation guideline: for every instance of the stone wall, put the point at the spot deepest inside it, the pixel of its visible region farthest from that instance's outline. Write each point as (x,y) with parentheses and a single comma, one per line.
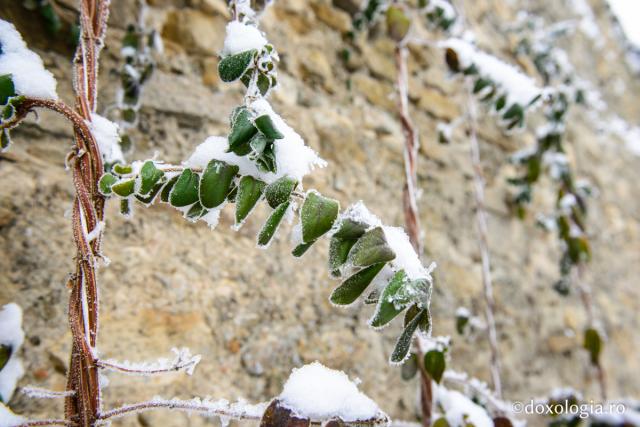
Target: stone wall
(255,314)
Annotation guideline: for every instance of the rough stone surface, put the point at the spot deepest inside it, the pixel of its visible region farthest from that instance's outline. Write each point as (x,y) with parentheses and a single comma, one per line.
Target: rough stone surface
(255,314)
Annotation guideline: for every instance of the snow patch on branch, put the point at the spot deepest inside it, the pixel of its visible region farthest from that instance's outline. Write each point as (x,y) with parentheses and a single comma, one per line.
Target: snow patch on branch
(319,393)
(459,410)
(242,37)
(516,86)
(11,339)
(28,74)
(8,418)
(107,137)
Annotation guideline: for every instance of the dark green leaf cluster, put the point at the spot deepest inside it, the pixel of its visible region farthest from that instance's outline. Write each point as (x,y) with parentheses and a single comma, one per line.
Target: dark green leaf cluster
(253,135)
(9,101)
(256,69)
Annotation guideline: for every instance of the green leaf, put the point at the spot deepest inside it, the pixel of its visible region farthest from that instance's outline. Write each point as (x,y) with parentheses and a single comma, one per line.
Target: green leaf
(106,182)
(266,126)
(403,344)
(7,89)
(250,190)
(149,177)
(441,422)
(300,250)
(125,207)
(196,211)
(338,253)
(185,191)
(242,130)
(398,23)
(5,354)
(279,191)
(350,229)
(391,302)
(122,169)
(410,367)
(593,344)
(355,285)
(271,226)
(148,199)
(317,215)
(371,248)
(461,323)
(166,191)
(434,364)
(233,67)
(216,182)
(124,188)
(5,140)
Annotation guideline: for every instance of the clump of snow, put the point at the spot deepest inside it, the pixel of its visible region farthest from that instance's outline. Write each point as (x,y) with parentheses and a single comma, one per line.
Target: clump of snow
(8,418)
(517,87)
(293,157)
(358,212)
(12,336)
(459,410)
(242,37)
(406,257)
(29,76)
(107,136)
(319,393)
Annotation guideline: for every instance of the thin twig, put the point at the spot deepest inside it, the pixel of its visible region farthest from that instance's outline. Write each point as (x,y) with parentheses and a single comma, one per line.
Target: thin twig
(483,236)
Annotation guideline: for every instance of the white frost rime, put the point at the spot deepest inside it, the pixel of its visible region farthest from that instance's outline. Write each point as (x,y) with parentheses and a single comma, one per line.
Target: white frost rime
(29,76)
(107,136)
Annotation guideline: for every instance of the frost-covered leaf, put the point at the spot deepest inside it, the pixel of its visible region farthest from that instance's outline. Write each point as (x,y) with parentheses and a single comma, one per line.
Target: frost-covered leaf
(317,215)
(149,198)
(392,301)
(271,226)
(242,130)
(150,175)
(350,229)
(124,188)
(166,190)
(7,89)
(121,169)
(266,126)
(403,345)
(233,67)
(125,207)
(278,415)
(398,23)
(106,182)
(434,364)
(338,253)
(215,183)
(410,367)
(196,211)
(5,354)
(5,140)
(355,285)
(371,248)
(185,190)
(250,190)
(301,249)
(279,191)
(593,344)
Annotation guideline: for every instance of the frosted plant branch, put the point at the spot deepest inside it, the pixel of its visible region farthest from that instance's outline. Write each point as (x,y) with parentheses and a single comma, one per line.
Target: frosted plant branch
(43,393)
(184,361)
(483,236)
(52,422)
(220,408)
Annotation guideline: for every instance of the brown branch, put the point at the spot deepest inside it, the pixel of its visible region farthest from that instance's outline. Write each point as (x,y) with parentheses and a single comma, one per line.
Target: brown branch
(46,423)
(483,243)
